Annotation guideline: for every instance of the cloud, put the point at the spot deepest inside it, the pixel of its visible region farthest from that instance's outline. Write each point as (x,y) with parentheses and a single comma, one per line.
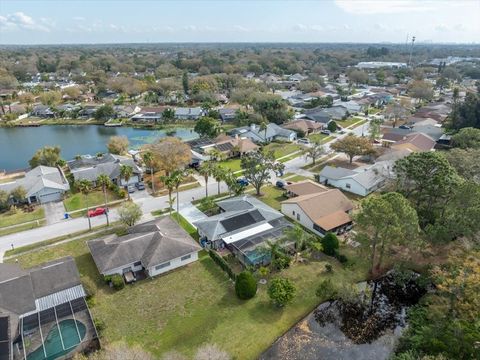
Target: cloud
(367,7)
(241,28)
(308,28)
(21,21)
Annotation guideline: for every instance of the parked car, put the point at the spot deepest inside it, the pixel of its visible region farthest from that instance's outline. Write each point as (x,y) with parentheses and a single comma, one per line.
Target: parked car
(131,188)
(280,184)
(326,132)
(242,181)
(303,141)
(140,185)
(405,127)
(96,212)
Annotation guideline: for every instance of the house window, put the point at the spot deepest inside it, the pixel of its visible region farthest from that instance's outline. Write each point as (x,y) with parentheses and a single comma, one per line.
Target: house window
(298,216)
(348,186)
(293,212)
(161,266)
(186,257)
(138,263)
(318,228)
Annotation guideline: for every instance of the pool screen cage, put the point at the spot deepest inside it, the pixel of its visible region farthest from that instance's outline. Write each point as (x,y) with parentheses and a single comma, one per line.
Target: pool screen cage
(56,332)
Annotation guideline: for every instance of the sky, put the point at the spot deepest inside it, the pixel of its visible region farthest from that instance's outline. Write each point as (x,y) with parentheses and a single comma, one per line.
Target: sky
(315,21)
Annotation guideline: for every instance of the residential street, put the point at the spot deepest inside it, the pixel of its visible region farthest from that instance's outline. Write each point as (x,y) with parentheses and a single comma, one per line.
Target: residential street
(148,204)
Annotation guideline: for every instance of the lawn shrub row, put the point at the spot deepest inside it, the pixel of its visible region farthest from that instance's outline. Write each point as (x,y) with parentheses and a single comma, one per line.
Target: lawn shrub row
(222,263)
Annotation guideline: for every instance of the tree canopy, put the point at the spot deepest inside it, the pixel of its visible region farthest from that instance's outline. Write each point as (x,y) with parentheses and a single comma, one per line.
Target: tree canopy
(46,156)
(257,167)
(118,145)
(353,146)
(207,127)
(170,154)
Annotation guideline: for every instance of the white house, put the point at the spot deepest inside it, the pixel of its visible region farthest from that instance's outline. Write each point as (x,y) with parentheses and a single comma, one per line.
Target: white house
(321,211)
(152,248)
(43,184)
(361,181)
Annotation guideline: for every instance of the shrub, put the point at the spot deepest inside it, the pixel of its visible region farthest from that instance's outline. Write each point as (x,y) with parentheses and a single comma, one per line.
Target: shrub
(332,126)
(107,279)
(263,271)
(99,325)
(117,282)
(328,268)
(89,287)
(341,258)
(326,290)
(281,291)
(222,263)
(330,244)
(245,285)
(281,261)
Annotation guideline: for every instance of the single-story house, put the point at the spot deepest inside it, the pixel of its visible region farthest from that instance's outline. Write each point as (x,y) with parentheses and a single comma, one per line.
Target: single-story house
(90,167)
(149,114)
(304,125)
(233,147)
(325,115)
(361,181)
(304,187)
(36,304)
(416,142)
(188,113)
(125,111)
(272,132)
(243,227)
(88,111)
(149,249)
(321,211)
(227,114)
(42,111)
(352,106)
(43,184)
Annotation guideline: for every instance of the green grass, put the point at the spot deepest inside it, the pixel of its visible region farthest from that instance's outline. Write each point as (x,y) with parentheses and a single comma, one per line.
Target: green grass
(298,178)
(322,138)
(232,164)
(272,196)
(180,189)
(196,304)
(95,198)
(22,227)
(348,122)
(282,149)
(7,219)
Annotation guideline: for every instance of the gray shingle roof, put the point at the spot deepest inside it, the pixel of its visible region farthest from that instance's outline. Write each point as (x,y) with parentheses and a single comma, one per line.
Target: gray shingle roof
(90,167)
(152,243)
(336,172)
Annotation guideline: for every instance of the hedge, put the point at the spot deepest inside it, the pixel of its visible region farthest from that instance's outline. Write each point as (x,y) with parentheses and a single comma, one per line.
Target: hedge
(222,263)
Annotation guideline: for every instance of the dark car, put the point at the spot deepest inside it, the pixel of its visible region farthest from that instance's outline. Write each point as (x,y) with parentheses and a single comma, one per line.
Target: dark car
(242,181)
(140,185)
(405,127)
(280,184)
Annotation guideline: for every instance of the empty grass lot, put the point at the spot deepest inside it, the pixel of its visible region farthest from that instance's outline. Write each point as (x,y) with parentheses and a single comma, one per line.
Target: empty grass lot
(197,304)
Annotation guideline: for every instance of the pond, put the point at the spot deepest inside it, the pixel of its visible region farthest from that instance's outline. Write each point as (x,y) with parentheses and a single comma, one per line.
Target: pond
(18,144)
(349,331)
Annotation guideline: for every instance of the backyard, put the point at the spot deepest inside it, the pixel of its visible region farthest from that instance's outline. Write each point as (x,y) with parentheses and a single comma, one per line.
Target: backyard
(197,304)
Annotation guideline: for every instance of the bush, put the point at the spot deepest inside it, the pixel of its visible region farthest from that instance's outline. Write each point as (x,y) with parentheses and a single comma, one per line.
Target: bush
(107,279)
(99,325)
(117,282)
(222,263)
(245,285)
(332,126)
(341,258)
(281,291)
(326,290)
(330,244)
(89,287)
(328,268)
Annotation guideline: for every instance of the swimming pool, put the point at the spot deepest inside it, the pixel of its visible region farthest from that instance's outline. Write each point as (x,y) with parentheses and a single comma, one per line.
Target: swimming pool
(53,341)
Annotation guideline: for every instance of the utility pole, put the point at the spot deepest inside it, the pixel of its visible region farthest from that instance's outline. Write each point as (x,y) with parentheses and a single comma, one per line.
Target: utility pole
(411,52)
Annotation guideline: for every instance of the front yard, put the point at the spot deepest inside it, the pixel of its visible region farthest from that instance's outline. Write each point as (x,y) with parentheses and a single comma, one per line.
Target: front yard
(78,201)
(197,304)
(272,196)
(9,219)
(283,149)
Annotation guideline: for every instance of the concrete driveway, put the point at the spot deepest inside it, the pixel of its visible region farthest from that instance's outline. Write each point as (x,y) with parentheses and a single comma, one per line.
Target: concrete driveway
(54,212)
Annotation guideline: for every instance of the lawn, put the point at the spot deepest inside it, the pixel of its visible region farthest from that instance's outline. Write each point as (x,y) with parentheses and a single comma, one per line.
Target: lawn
(8,219)
(21,227)
(298,178)
(197,304)
(282,149)
(322,138)
(232,164)
(348,122)
(77,201)
(272,196)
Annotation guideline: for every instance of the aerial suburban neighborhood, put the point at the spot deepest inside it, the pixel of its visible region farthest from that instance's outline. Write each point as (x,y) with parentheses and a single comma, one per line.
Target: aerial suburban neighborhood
(287,198)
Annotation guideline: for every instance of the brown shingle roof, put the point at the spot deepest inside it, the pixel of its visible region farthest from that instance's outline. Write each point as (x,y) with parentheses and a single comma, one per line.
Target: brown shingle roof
(416,142)
(303,125)
(333,220)
(322,204)
(305,187)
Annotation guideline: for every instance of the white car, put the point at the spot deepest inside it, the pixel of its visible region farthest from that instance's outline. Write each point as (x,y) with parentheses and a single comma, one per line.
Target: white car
(303,141)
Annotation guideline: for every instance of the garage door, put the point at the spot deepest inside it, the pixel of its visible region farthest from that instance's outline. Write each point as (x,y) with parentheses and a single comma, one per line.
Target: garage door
(53,196)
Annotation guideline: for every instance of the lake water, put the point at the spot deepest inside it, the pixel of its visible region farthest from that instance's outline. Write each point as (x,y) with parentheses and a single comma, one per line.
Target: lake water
(17,145)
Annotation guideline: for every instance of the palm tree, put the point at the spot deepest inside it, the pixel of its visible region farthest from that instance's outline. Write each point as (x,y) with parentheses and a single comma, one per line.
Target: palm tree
(219,173)
(217,155)
(126,172)
(179,177)
(148,160)
(298,236)
(103,180)
(169,182)
(85,187)
(206,170)
(264,127)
